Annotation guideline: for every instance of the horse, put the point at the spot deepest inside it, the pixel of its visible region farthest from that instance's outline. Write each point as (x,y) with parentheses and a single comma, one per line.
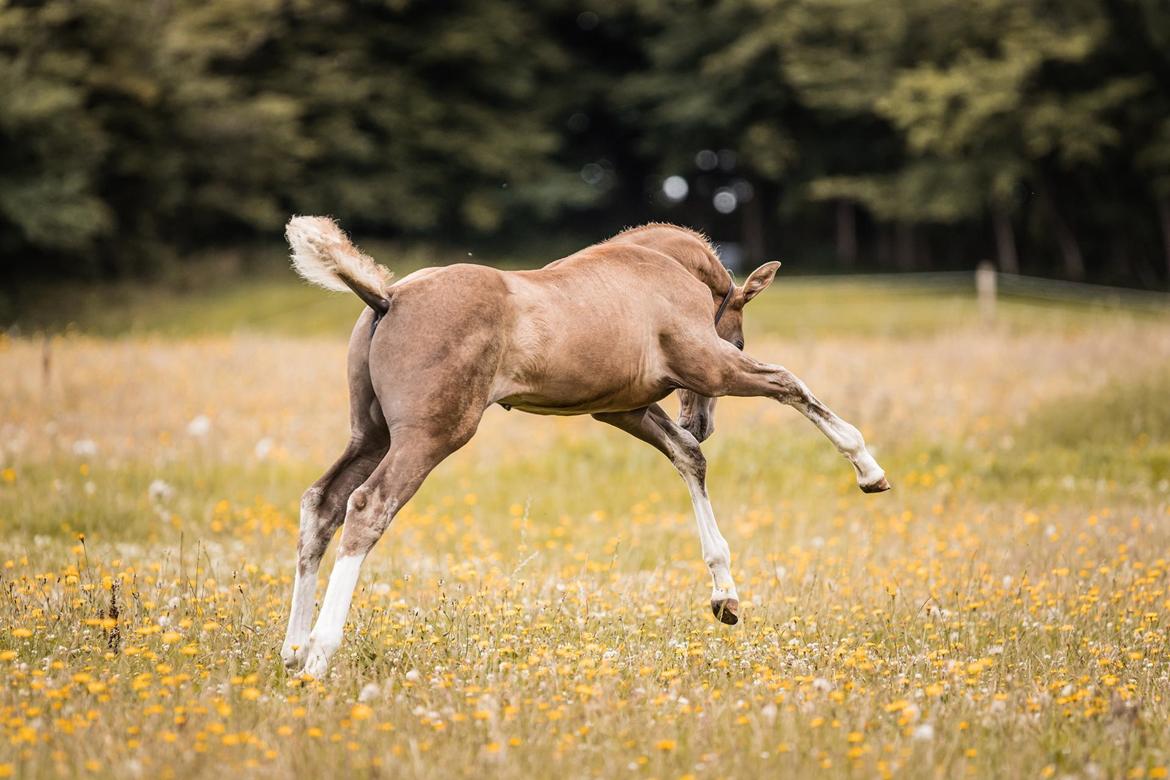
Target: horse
(608,331)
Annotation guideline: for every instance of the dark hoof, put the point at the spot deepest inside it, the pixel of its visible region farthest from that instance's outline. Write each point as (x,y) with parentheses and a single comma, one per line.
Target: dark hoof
(726,611)
(881,486)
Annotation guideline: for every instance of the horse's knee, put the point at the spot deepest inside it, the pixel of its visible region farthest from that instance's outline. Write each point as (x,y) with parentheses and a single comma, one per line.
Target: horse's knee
(310,504)
(687,456)
(358,501)
(697,462)
(315,531)
(366,519)
(786,387)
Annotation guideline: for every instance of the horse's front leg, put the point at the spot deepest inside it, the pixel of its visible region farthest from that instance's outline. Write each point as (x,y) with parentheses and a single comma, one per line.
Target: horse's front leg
(731,372)
(654,426)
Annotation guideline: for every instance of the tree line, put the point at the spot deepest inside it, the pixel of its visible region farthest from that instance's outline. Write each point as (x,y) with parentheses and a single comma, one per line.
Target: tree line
(850,134)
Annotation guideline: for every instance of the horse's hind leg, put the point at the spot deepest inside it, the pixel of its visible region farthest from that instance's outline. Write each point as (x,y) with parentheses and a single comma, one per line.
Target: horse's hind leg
(654,426)
(323,504)
(322,512)
(413,454)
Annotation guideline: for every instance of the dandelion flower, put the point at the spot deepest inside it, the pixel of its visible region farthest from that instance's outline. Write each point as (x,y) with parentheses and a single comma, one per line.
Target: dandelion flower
(199,426)
(923,733)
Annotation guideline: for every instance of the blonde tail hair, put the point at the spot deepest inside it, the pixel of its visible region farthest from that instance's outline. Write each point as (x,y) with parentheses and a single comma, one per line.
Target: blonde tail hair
(323,255)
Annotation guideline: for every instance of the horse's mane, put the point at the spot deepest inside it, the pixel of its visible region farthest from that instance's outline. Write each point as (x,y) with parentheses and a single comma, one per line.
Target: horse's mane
(666,226)
(689,247)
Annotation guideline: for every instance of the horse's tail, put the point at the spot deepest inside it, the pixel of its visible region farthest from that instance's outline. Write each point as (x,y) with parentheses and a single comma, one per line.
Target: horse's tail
(323,255)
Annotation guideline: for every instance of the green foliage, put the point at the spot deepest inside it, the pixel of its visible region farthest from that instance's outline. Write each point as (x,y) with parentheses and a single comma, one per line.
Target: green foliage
(50,145)
(127,134)
(130,136)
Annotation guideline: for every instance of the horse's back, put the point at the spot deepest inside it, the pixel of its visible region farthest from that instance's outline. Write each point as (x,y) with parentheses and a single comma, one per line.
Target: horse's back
(581,335)
(588,330)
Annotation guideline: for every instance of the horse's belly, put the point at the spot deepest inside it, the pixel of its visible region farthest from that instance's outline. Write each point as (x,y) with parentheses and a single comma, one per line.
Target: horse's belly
(581,357)
(582,400)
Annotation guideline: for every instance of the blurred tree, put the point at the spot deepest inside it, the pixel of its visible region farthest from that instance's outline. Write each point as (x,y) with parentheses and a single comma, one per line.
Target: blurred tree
(130,133)
(1141,30)
(924,111)
(123,141)
(982,113)
(50,147)
(920,134)
(712,108)
(423,116)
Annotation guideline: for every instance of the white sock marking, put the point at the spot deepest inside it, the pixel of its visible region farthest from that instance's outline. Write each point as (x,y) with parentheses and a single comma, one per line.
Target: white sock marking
(326,636)
(300,618)
(716,553)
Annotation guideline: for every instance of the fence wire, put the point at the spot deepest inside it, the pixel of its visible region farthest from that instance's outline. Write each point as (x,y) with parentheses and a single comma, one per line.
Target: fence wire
(1008,286)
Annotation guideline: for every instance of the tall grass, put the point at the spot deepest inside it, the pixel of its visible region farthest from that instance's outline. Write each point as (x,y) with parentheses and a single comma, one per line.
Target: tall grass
(540,607)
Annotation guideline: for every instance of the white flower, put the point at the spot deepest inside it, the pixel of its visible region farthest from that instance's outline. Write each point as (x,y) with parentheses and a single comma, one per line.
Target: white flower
(85,448)
(199,426)
(413,675)
(923,733)
(263,448)
(160,491)
(369,692)
(822,685)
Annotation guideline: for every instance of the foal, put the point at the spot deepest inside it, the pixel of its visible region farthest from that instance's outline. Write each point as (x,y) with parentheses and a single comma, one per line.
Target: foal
(608,331)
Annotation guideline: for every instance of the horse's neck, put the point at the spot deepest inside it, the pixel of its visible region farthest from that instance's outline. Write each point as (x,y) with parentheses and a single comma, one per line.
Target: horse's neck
(688,249)
(708,270)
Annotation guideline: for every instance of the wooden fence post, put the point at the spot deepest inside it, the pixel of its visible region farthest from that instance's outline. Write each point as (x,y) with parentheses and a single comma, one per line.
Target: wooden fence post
(985,284)
(46,365)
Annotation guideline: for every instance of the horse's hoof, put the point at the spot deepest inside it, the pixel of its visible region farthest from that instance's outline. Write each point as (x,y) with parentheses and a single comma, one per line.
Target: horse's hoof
(316,664)
(317,657)
(293,657)
(881,486)
(726,611)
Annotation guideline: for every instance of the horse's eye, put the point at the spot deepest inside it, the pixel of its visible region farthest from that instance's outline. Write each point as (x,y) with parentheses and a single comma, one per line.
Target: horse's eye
(739,344)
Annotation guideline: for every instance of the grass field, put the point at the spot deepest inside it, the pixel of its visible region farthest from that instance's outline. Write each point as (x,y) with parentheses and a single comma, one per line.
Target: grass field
(540,608)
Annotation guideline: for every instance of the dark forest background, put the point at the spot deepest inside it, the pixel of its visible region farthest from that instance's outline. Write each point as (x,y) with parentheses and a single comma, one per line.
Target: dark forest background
(843,134)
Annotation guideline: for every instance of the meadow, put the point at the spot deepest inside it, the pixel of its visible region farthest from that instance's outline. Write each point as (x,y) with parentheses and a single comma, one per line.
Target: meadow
(540,608)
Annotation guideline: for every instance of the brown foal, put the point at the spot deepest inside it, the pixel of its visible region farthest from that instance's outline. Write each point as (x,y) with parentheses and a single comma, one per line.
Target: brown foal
(608,331)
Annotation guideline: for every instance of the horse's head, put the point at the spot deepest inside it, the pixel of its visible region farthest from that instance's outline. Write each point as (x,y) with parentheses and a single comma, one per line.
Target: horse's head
(697,412)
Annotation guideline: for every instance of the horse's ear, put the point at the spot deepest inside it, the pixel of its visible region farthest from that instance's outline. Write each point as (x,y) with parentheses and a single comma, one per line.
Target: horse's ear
(759,280)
